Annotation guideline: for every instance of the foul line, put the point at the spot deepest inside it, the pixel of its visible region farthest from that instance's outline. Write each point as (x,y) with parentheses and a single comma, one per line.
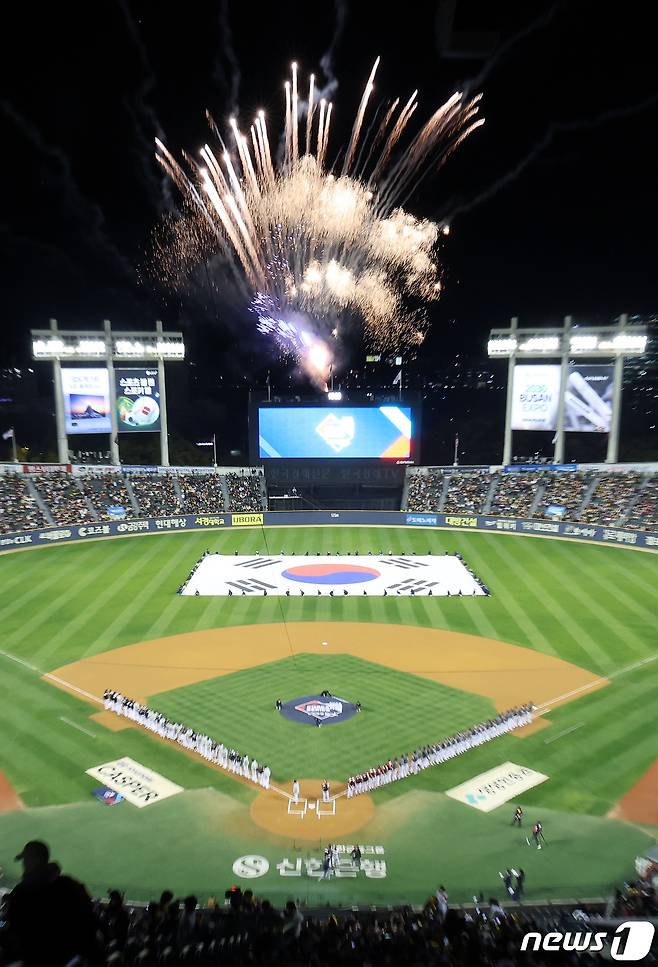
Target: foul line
(545,706)
(52,678)
(74,725)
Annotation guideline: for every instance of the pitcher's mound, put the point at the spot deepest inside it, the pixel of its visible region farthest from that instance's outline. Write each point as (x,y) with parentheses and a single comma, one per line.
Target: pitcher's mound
(311,818)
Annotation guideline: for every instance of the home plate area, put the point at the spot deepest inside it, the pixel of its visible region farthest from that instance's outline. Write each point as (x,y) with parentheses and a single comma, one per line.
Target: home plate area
(225,575)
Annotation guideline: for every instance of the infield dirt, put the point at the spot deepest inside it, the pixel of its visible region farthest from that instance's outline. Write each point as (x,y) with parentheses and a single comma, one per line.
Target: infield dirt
(504,673)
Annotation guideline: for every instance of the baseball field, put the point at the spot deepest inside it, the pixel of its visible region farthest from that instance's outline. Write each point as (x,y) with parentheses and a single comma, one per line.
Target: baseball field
(569,626)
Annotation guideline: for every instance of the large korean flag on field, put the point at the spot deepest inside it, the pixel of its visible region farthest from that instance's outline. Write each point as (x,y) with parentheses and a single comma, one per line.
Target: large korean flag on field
(374,575)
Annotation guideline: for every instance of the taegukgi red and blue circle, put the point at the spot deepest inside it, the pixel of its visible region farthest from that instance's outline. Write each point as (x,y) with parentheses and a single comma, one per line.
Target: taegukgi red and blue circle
(334,573)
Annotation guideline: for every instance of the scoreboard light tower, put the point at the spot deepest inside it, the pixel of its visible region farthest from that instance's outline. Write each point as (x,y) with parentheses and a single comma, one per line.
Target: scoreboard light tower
(57,345)
(565,343)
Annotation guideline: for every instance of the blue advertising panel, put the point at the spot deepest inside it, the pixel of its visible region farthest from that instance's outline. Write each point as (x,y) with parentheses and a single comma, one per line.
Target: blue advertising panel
(343,432)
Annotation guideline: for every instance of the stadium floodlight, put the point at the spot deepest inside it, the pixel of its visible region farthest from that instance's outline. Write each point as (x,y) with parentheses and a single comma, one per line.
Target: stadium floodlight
(583,344)
(334,395)
(88,346)
(540,344)
(624,343)
(501,347)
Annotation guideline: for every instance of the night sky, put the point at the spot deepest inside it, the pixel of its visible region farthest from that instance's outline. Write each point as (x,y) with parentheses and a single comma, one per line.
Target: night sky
(570,88)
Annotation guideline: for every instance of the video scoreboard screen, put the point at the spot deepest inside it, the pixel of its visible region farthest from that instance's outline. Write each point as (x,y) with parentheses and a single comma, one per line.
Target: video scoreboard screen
(322,432)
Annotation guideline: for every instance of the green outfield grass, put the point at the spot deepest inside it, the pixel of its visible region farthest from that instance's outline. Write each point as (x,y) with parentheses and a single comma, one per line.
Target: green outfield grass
(593,606)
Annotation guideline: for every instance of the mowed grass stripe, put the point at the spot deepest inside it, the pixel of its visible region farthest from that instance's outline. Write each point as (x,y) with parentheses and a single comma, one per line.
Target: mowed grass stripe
(36,587)
(615,593)
(84,611)
(599,658)
(127,608)
(602,615)
(520,627)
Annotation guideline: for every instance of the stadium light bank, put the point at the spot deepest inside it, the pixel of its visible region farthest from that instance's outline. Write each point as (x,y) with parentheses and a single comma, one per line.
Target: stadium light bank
(566,343)
(56,345)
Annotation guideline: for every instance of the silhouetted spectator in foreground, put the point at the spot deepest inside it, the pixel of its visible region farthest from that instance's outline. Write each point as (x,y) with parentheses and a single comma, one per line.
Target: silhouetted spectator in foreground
(50,918)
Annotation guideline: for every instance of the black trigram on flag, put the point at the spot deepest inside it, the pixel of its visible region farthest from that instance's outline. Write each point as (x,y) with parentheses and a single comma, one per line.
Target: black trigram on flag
(412,585)
(255,562)
(251,584)
(403,562)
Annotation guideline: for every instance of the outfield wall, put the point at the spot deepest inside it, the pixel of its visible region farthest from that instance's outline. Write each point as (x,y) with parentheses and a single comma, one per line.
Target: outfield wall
(623,537)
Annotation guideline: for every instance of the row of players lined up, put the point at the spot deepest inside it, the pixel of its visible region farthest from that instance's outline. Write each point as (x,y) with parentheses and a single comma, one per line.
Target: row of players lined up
(380,553)
(330,594)
(203,745)
(434,755)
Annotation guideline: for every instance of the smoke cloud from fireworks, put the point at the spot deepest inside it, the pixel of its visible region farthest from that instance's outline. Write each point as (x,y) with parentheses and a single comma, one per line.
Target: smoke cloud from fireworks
(315,248)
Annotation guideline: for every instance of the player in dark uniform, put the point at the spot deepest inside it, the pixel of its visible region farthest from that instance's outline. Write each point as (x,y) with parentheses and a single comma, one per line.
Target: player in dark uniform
(537,835)
(356,856)
(518,816)
(508,879)
(520,882)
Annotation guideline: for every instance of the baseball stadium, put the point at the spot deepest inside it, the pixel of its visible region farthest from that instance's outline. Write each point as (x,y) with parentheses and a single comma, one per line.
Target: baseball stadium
(567,625)
(328,612)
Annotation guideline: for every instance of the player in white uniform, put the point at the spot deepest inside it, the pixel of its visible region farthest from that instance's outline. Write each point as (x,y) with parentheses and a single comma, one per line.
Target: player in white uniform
(295,791)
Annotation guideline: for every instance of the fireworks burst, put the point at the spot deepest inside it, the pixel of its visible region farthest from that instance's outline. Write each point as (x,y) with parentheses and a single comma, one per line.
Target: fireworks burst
(313,247)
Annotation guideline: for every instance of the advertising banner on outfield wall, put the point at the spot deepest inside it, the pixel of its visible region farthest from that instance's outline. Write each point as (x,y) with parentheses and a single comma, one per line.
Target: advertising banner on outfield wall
(535,395)
(138,400)
(588,399)
(86,397)
(624,537)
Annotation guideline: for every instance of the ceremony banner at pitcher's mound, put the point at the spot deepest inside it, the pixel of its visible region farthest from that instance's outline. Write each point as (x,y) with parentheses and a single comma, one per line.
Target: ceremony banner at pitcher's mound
(217,574)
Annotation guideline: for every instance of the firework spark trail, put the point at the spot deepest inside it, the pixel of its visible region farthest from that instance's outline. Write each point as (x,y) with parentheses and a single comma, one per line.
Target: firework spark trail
(312,251)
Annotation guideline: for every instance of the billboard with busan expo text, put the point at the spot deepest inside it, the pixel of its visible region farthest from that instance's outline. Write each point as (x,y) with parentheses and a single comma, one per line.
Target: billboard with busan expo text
(535,396)
(368,432)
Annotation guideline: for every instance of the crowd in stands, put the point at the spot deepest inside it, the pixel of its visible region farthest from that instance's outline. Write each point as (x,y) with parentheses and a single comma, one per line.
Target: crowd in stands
(50,920)
(565,489)
(424,490)
(617,498)
(212,751)
(434,755)
(244,491)
(18,508)
(612,495)
(515,494)
(64,499)
(467,492)
(106,490)
(156,495)
(645,509)
(201,493)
